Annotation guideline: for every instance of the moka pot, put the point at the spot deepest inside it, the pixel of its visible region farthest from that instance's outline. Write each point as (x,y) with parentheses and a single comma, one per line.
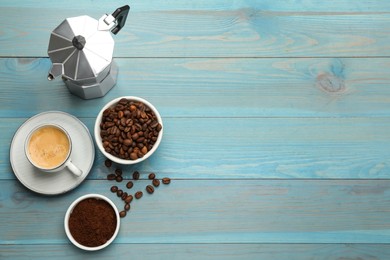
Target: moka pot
(81,50)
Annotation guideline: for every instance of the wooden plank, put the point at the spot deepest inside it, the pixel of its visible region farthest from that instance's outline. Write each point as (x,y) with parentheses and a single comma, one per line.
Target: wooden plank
(101,6)
(203,251)
(336,87)
(249,148)
(245,31)
(216,211)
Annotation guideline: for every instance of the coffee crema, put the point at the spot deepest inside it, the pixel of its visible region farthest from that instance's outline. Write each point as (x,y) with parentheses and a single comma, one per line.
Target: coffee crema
(48,147)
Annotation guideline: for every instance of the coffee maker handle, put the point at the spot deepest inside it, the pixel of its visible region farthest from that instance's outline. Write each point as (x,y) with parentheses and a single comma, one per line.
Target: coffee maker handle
(120,16)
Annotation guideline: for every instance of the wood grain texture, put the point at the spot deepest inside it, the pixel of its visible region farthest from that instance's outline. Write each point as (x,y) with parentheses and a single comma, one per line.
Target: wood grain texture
(102,6)
(214,30)
(204,251)
(276,129)
(215,148)
(316,87)
(216,211)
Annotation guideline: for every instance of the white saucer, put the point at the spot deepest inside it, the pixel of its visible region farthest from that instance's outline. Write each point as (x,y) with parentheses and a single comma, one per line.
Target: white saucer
(83,154)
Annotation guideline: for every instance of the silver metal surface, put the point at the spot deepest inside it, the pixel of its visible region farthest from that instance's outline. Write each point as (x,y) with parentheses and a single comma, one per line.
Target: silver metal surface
(81,49)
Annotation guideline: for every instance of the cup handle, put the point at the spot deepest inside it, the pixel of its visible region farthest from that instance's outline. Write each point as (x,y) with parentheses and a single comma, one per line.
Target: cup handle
(74,169)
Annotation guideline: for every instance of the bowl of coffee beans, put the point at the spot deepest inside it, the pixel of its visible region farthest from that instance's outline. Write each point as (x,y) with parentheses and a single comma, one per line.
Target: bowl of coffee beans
(128,130)
(92,222)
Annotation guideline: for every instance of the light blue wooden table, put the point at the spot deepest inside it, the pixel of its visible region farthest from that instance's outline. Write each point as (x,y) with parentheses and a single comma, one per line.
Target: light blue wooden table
(276,129)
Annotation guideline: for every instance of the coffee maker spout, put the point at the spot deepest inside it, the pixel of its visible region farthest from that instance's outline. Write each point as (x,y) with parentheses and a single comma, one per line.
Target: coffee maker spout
(55,71)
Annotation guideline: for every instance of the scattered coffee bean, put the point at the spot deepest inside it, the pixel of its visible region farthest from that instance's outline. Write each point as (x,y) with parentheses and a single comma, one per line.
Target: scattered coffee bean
(136,175)
(156,182)
(138,195)
(129,199)
(166,180)
(119,178)
(129,185)
(150,189)
(129,129)
(111,177)
(122,214)
(108,163)
(114,188)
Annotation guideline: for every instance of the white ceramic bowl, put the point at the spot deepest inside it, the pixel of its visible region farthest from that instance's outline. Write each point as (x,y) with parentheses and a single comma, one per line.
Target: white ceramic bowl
(98,139)
(70,210)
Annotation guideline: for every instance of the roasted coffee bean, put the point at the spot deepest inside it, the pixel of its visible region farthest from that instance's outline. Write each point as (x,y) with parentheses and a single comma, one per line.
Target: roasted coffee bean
(122,214)
(119,106)
(127,114)
(107,162)
(133,156)
(109,124)
(150,189)
(136,175)
(120,114)
(166,180)
(156,182)
(124,196)
(119,193)
(135,136)
(119,178)
(138,195)
(118,172)
(154,124)
(152,176)
(123,101)
(127,207)
(127,142)
(144,150)
(106,112)
(129,185)
(140,140)
(129,199)
(114,188)
(111,177)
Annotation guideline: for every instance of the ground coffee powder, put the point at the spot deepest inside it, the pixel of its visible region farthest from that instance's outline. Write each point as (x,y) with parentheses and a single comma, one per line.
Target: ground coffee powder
(92,222)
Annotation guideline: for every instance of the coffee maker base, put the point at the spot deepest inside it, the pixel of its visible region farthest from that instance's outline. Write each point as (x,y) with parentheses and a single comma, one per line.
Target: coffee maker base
(95,90)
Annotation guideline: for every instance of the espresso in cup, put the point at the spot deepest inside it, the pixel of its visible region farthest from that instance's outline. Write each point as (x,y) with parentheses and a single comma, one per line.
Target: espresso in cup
(48,148)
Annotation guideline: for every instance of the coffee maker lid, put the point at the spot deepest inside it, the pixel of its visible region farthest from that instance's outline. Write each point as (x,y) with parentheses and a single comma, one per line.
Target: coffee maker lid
(80,47)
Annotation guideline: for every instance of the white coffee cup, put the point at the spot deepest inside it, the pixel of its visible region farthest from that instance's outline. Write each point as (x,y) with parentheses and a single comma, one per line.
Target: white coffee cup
(48,147)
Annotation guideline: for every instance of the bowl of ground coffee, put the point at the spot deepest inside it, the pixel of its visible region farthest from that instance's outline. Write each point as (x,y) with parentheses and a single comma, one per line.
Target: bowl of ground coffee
(128,130)
(92,222)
